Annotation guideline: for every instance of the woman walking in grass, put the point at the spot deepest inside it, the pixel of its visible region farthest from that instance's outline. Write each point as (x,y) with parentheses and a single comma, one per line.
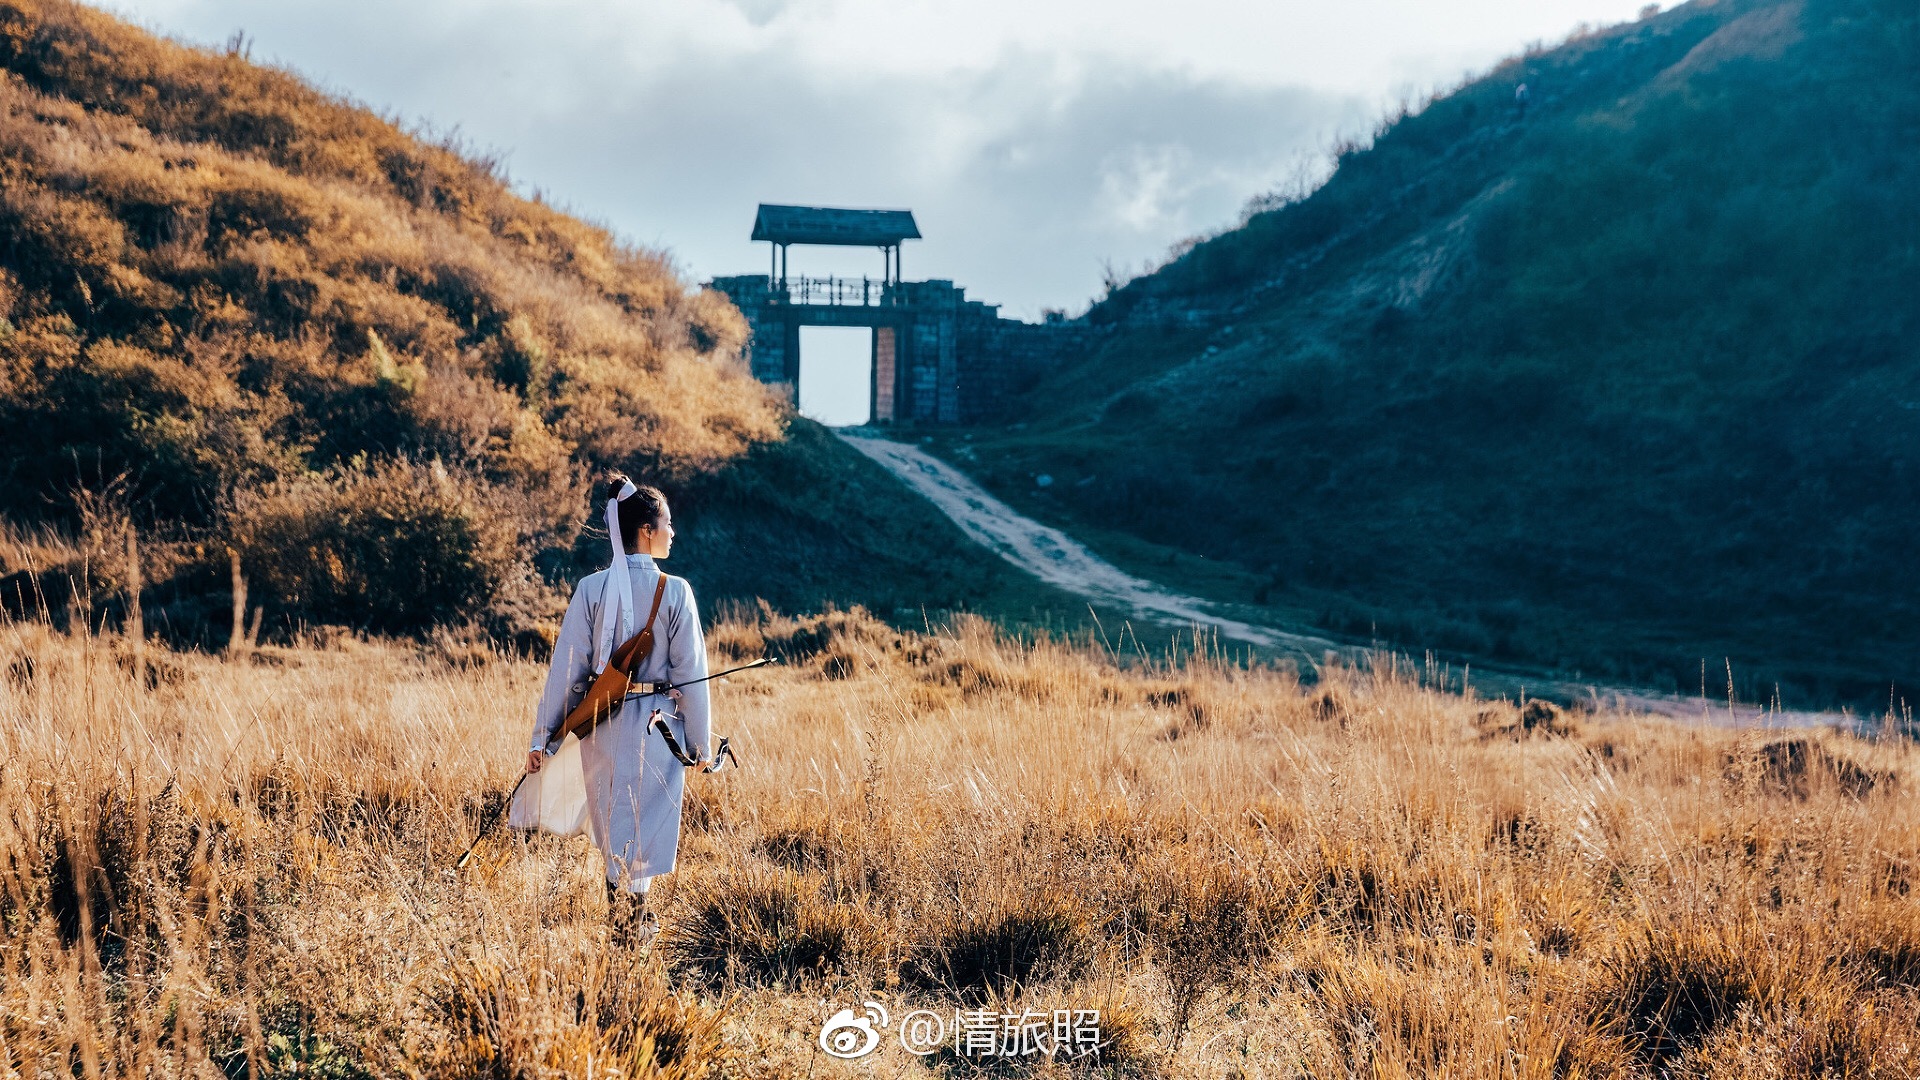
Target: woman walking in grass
(633,783)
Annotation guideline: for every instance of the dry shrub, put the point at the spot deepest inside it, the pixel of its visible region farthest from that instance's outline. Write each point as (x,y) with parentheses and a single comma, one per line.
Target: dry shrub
(1521,831)
(970,676)
(1206,927)
(154,669)
(994,949)
(1332,705)
(394,547)
(631,1024)
(1352,885)
(1186,702)
(765,928)
(1112,832)
(1127,1046)
(1863,1035)
(1694,998)
(1535,719)
(1381,1020)
(802,843)
(1795,768)
(834,643)
(981,673)
(1888,942)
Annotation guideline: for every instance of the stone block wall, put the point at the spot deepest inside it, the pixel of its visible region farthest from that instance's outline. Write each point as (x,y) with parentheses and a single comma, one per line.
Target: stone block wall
(953,360)
(1004,358)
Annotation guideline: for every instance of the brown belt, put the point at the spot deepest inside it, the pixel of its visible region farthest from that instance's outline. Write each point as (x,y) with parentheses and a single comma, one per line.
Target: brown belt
(634,689)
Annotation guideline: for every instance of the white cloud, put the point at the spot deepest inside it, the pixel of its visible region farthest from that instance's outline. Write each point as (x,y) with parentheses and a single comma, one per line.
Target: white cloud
(1140,186)
(1034,139)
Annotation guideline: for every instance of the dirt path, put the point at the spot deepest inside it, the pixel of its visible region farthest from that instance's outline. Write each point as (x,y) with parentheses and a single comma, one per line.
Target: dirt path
(1060,560)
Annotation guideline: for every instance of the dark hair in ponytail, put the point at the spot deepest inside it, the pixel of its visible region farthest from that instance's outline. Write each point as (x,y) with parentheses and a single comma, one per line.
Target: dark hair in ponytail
(643,507)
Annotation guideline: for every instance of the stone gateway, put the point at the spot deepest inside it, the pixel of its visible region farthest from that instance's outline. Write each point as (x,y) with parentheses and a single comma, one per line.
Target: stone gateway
(938,358)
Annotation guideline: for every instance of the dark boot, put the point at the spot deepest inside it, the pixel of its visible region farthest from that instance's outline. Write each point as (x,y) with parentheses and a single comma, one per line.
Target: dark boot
(631,923)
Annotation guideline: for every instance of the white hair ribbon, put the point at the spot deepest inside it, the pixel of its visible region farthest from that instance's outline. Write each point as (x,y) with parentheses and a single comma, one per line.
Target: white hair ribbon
(619,594)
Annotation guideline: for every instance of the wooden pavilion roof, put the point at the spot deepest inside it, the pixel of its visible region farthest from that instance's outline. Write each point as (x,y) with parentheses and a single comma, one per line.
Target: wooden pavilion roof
(834,226)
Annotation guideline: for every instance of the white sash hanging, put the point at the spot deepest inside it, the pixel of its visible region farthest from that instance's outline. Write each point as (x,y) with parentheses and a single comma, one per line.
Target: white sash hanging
(620,596)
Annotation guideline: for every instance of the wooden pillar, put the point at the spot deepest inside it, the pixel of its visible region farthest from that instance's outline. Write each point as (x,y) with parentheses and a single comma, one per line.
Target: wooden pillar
(883,376)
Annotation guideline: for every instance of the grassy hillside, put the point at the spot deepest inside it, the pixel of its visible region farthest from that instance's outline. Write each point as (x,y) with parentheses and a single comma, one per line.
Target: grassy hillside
(806,522)
(238,313)
(1623,380)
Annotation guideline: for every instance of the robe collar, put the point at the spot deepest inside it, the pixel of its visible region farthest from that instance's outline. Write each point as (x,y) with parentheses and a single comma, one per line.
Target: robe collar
(617,616)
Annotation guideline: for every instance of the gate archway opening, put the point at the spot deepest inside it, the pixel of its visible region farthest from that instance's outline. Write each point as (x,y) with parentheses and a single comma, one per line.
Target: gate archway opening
(836,374)
(933,356)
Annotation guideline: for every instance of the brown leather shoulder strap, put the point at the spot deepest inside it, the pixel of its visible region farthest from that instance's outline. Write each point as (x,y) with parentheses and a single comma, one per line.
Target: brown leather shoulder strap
(633,651)
(659,590)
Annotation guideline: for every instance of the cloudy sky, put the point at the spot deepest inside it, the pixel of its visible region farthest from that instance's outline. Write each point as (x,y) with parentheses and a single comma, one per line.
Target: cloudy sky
(1037,141)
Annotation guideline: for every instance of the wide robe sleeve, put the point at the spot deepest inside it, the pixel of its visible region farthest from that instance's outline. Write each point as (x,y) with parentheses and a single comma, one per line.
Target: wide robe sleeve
(686,661)
(572,662)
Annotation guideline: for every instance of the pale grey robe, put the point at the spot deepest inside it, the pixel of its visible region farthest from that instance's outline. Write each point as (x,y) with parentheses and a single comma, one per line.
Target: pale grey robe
(633,783)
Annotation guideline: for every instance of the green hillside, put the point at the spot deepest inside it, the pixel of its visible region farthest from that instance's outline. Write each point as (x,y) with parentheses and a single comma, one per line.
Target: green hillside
(237,313)
(1624,381)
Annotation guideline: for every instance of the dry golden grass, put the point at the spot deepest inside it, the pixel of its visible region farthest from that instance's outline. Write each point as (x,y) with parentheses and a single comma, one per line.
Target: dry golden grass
(223,867)
(220,216)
